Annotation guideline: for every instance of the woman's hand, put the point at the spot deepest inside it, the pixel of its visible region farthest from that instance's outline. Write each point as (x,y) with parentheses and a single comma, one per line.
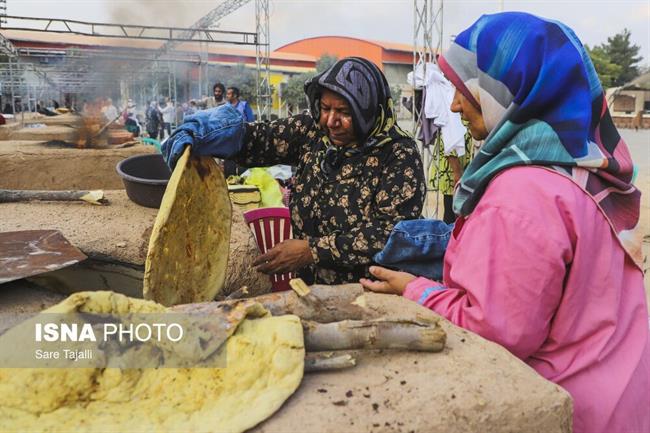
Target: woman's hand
(287,256)
(394,282)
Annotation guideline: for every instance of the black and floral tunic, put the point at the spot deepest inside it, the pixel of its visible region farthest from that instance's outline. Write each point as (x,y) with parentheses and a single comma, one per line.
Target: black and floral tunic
(347,215)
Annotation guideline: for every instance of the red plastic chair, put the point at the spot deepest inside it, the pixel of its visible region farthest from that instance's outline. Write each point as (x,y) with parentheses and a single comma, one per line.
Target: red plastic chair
(271,225)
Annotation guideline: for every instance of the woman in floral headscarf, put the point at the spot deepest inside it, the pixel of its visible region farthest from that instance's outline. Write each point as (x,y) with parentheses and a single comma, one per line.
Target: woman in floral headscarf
(544,258)
(358,174)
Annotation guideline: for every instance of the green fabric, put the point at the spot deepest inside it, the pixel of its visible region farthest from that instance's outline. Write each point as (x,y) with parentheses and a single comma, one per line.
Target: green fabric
(153,142)
(441,176)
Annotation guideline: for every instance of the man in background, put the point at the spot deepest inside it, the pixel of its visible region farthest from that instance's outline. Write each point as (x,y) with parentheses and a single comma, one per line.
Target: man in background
(153,119)
(242,106)
(109,110)
(219,92)
(168,112)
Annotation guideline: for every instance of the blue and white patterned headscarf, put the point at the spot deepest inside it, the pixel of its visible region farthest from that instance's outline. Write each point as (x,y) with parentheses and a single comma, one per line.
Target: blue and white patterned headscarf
(543,104)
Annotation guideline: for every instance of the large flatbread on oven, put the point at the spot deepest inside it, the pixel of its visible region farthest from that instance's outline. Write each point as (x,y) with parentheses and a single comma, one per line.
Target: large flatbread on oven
(264,362)
(188,251)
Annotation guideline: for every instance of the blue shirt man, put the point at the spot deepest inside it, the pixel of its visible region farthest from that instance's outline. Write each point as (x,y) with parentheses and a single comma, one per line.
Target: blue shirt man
(243,107)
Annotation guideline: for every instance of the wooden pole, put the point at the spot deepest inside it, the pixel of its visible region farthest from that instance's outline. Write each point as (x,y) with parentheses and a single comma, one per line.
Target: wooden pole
(373,334)
(17,195)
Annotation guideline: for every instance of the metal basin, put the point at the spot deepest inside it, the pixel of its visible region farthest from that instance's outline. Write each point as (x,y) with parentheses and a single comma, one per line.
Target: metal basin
(145,178)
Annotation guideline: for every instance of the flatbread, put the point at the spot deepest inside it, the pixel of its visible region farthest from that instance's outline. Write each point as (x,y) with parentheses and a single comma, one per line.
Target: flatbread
(265,362)
(188,250)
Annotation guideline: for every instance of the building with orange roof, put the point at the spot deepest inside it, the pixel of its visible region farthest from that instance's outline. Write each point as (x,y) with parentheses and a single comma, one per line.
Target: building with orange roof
(59,42)
(395,60)
(197,66)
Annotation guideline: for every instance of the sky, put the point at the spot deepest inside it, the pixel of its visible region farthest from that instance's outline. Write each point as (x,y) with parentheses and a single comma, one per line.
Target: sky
(384,20)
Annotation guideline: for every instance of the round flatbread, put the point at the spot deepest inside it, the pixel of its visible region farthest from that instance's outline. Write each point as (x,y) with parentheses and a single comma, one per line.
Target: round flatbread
(188,251)
(264,362)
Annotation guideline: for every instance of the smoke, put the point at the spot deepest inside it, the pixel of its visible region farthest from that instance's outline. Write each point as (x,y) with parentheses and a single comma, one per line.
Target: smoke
(151,13)
(171,13)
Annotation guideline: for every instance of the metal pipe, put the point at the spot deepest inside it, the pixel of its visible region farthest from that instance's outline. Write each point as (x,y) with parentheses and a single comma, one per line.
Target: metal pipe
(13,96)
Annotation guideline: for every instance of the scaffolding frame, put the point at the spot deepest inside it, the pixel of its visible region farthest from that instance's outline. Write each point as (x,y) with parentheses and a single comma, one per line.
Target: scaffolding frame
(76,75)
(7,48)
(263,59)
(427,43)
(262,48)
(172,35)
(205,22)
(25,83)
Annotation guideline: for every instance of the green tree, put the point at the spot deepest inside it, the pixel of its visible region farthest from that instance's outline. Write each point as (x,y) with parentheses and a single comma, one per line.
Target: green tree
(325,62)
(244,79)
(294,91)
(623,53)
(607,71)
(396,93)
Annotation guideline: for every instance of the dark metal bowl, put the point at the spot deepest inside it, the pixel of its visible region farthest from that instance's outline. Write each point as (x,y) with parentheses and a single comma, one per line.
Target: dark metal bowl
(145,178)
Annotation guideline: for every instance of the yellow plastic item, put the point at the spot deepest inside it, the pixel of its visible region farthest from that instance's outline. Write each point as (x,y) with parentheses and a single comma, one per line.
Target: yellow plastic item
(269,187)
(246,197)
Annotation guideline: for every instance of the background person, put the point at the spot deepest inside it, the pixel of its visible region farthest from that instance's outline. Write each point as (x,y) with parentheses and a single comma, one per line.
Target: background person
(153,120)
(109,110)
(242,106)
(219,93)
(168,111)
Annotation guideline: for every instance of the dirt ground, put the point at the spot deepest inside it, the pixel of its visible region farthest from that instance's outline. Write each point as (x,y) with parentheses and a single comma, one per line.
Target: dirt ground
(120,232)
(468,386)
(55,168)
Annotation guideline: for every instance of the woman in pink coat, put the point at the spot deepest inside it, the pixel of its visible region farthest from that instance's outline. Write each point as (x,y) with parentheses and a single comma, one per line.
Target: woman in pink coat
(544,258)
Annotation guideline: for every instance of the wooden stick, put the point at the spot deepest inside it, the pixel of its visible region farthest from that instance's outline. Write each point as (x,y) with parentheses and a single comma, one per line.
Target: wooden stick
(373,334)
(238,294)
(328,361)
(339,321)
(16,195)
(335,303)
(103,128)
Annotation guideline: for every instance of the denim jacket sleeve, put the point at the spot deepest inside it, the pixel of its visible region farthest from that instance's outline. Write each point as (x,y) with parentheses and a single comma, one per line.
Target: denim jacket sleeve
(216,132)
(282,141)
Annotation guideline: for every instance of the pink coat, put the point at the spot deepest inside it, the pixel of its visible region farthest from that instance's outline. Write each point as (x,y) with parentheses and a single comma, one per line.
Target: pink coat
(537,269)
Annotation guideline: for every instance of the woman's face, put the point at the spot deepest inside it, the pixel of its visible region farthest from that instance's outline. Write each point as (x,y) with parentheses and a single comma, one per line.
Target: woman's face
(336,119)
(471,114)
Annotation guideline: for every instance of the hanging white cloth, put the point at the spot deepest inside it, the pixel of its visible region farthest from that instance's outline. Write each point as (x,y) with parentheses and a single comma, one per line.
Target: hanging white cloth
(437,103)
